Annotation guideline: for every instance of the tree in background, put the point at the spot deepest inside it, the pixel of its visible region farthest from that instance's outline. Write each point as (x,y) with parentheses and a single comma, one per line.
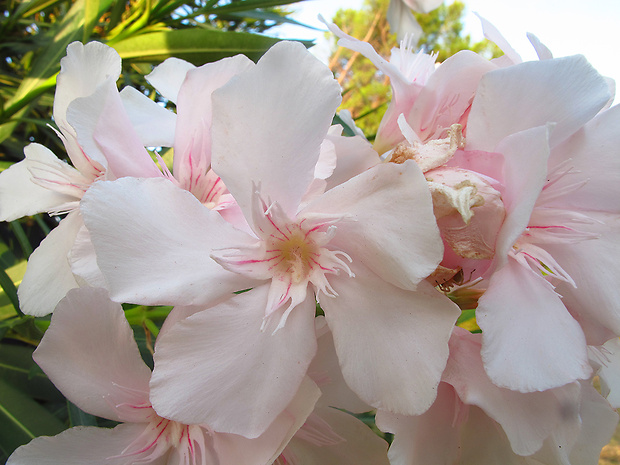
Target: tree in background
(366,91)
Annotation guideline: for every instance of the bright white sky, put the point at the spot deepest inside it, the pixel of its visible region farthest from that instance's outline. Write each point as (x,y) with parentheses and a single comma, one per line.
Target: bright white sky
(566,27)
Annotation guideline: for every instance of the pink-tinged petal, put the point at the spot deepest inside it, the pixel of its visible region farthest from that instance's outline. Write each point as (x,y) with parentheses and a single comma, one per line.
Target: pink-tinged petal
(238,450)
(526,418)
(492,33)
(106,134)
(83,261)
(388,222)
(153,123)
(591,163)
(373,322)
(598,422)
(83,69)
(541,49)
(48,275)
(90,354)
(609,373)
(192,147)
(221,367)
(402,21)
(354,156)
(566,91)
(168,77)
(593,265)
(326,373)
(344,440)
(430,438)
(447,95)
(21,194)
(530,340)
(154,241)
(525,161)
(269,123)
(82,445)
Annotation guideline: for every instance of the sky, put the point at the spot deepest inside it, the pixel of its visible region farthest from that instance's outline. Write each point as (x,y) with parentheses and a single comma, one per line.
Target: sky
(566,27)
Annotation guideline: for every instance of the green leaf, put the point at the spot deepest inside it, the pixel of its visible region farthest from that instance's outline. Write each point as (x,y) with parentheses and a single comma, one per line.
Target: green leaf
(197,46)
(269,16)
(250,5)
(78,417)
(91,15)
(22,419)
(19,369)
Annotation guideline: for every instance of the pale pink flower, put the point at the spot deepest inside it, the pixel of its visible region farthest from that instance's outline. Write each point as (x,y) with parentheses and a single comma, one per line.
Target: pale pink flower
(475,422)
(43,183)
(164,247)
(401,19)
(90,354)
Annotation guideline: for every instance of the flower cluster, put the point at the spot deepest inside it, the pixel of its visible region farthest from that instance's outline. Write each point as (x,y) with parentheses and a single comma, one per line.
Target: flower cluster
(313,274)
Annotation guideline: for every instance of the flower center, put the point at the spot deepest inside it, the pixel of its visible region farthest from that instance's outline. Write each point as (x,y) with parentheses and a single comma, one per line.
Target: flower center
(295,253)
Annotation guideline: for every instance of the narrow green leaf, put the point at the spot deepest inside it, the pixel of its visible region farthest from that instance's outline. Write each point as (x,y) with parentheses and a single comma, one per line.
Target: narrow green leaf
(197,46)
(24,243)
(22,419)
(78,417)
(91,15)
(269,16)
(9,290)
(250,5)
(19,369)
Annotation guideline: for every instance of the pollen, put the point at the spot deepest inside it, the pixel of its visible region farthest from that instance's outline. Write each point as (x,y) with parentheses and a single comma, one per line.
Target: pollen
(296,251)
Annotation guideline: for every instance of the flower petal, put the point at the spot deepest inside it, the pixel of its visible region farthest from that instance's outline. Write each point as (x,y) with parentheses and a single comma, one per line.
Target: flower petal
(153,123)
(48,275)
(192,147)
(168,77)
(593,265)
(358,444)
(83,69)
(402,335)
(90,354)
(21,196)
(594,165)
(269,123)
(154,240)
(238,450)
(388,222)
(530,341)
(82,445)
(566,91)
(105,133)
(220,368)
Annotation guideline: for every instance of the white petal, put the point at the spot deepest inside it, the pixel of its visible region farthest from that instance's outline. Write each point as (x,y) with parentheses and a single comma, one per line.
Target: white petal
(530,341)
(154,240)
(90,354)
(83,261)
(402,335)
(430,438)
(525,161)
(388,222)
(21,196)
(154,124)
(359,445)
(218,367)
(168,77)
(83,69)
(592,155)
(79,446)
(238,450)
(593,265)
(48,275)
(192,147)
(105,133)
(269,124)
(566,91)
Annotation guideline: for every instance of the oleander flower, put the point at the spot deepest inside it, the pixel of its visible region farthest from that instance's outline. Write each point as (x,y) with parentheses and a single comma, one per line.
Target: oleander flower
(302,245)
(475,422)
(90,354)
